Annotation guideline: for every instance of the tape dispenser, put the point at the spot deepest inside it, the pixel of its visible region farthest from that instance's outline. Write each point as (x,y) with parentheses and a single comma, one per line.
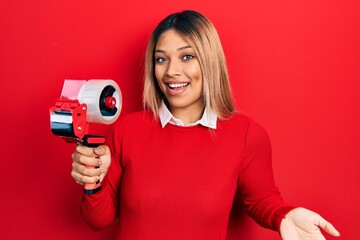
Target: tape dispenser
(83,102)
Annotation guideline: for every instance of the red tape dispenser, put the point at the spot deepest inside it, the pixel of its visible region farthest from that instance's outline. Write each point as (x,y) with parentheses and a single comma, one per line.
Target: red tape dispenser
(81,103)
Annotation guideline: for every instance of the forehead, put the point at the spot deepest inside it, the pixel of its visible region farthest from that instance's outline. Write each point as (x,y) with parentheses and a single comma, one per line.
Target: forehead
(171,39)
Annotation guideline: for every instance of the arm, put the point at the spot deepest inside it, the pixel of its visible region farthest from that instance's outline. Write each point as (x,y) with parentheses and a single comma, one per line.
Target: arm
(262,198)
(301,223)
(256,181)
(101,208)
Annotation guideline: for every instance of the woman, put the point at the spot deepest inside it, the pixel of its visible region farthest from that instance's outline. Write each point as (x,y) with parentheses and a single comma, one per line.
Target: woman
(175,167)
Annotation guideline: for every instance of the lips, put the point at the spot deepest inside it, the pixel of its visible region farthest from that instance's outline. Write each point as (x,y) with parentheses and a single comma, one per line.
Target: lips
(174,86)
(176,89)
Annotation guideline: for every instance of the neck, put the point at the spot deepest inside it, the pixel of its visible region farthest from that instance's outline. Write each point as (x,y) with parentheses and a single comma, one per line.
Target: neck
(188,115)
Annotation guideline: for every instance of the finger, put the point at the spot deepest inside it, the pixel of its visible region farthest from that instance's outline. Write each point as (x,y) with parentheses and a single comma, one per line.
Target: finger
(85,160)
(81,179)
(102,175)
(83,150)
(86,170)
(328,227)
(76,177)
(101,150)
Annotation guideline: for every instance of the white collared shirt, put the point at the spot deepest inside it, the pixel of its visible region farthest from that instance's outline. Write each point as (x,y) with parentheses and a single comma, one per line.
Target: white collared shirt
(208,118)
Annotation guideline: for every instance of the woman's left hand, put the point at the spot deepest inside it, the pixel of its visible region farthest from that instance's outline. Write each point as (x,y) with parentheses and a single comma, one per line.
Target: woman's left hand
(303,224)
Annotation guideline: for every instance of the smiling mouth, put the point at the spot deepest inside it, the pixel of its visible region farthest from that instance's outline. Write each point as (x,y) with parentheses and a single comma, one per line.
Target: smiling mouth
(173,86)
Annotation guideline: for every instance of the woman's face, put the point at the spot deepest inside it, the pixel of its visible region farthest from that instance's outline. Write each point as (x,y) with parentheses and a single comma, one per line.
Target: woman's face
(178,73)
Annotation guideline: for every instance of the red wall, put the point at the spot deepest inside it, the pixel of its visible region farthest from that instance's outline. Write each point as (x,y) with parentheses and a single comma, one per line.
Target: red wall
(294,67)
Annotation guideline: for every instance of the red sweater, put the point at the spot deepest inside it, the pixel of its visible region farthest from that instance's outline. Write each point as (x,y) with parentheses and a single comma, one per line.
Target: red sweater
(179,182)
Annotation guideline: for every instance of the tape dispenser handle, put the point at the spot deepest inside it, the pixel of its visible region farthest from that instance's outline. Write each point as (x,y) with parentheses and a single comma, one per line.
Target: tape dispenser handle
(92,141)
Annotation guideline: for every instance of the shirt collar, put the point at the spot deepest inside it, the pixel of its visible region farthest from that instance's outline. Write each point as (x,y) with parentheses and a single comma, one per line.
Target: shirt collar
(208,118)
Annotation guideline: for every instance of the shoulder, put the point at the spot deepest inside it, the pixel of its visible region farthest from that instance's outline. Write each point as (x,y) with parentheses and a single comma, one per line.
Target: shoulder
(135,121)
(133,124)
(242,124)
(237,118)
(240,120)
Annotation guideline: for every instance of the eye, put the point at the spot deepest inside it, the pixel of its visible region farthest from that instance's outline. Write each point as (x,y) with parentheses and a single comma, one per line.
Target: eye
(187,57)
(160,60)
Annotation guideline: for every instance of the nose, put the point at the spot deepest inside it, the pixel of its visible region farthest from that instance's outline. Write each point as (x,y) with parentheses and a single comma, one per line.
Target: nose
(174,68)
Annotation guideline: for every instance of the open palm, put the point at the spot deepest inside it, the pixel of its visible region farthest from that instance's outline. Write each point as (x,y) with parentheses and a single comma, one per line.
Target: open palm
(303,224)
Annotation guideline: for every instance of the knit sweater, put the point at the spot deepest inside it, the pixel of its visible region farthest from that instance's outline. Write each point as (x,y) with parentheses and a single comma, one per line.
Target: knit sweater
(180,182)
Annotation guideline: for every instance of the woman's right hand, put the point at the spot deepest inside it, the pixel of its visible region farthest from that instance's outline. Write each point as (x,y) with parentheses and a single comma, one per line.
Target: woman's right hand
(97,158)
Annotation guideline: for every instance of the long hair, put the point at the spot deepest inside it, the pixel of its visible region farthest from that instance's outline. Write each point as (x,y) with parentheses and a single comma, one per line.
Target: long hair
(200,33)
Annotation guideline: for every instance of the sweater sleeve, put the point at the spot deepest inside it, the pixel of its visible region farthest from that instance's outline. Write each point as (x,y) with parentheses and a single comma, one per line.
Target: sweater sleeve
(100,209)
(256,181)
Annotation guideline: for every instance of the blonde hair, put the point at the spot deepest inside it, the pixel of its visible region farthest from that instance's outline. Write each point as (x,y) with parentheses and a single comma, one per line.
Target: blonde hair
(199,32)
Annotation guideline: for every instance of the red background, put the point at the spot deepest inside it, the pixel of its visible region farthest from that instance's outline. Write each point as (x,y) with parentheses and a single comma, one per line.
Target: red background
(294,67)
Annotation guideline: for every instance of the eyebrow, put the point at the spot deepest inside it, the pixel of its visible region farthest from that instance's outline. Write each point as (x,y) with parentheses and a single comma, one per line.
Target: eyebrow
(178,49)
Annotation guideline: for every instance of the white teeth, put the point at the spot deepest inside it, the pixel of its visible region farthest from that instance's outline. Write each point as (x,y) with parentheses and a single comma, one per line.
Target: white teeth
(177,85)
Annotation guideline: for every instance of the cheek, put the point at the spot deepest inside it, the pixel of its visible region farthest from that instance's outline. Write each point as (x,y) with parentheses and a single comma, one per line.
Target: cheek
(158,74)
(194,72)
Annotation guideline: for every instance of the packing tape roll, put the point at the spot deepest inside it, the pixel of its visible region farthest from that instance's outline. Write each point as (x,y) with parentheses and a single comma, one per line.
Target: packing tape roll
(92,93)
